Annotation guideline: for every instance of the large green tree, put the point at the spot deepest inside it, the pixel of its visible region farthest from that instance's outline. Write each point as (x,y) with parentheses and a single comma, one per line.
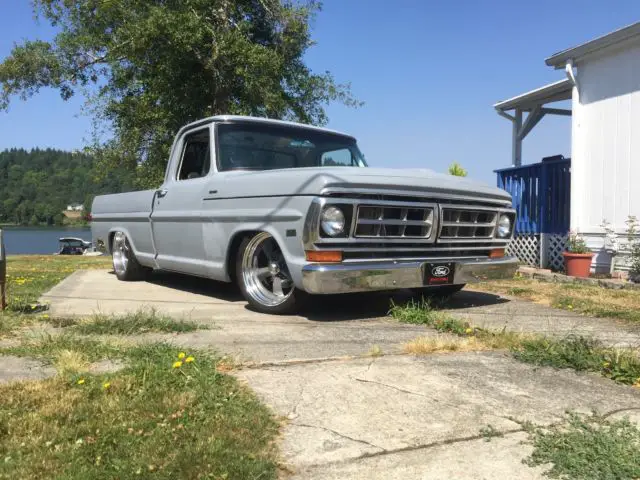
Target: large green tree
(150,66)
(37,185)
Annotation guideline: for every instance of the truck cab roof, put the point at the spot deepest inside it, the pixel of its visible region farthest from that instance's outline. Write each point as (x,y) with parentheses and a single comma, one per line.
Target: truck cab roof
(256,120)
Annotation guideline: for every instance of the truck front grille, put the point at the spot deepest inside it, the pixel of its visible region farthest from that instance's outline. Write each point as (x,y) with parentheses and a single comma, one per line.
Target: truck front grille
(381,221)
(467,223)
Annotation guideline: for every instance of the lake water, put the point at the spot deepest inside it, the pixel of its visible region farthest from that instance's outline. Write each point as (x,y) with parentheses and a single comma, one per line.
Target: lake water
(25,240)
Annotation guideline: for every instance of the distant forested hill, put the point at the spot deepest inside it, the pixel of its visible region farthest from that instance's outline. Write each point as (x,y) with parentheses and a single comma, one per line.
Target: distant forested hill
(37,185)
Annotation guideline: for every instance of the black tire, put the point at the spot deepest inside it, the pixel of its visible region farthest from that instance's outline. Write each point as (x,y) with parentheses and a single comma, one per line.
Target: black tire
(125,264)
(256,291)
(444,291)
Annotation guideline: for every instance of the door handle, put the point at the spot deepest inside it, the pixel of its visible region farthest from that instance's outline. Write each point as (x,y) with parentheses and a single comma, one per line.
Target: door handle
(161,193)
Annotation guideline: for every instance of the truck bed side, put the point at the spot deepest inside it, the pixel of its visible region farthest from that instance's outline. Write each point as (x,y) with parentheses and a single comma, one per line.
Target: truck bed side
(128,213)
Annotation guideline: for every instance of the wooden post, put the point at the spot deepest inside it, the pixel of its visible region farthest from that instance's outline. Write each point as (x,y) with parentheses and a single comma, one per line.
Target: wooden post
(3,273)
(543,214)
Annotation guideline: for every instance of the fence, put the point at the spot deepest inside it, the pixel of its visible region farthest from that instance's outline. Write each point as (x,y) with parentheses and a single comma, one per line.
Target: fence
(541,195)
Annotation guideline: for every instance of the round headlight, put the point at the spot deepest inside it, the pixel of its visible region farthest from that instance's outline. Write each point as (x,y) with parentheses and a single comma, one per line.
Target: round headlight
(332,221)
(504,226)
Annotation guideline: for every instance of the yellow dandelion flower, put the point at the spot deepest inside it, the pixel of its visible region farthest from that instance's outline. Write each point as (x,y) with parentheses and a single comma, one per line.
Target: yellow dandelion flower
(189,359)
(606,364)
(570,307)
(81,381)
(181,355)
(177,364)
(106,385)
(469,330)
(45,316)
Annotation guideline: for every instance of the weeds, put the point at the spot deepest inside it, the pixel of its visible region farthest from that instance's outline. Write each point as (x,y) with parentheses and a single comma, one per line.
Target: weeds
(423,313)
(519,291)
(427,345)
(578,353)
(142,321)
(49,347)
(582,354)
(585,299)
(588,448)
(490,432)
(596,308)
(375,351)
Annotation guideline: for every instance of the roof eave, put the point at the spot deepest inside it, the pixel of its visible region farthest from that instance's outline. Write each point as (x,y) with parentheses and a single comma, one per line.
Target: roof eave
(553,92)
(559,60)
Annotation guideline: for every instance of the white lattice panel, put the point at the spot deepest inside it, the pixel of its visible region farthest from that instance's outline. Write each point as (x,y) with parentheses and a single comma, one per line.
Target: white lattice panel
(526,248)
(556,244)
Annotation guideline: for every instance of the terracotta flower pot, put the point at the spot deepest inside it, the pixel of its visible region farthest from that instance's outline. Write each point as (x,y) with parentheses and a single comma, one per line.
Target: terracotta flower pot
(578,264)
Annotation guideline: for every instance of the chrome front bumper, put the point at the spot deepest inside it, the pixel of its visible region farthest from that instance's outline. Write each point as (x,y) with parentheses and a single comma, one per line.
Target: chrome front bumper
(359,277)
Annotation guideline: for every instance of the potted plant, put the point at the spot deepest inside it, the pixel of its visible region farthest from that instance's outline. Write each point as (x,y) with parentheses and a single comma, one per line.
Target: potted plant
(577,258)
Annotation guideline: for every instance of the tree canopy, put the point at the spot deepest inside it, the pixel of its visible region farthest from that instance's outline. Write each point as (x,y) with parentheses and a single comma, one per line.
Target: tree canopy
(150,66)
(37,185)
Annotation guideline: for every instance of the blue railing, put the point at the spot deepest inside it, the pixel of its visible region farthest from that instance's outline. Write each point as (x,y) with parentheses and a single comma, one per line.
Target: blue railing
(541,195)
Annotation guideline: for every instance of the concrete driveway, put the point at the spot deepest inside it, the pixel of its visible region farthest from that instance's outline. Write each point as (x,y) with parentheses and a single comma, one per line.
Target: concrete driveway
(346,415)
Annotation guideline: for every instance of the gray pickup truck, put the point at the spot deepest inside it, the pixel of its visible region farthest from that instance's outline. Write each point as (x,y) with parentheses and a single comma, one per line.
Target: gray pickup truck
(287,210)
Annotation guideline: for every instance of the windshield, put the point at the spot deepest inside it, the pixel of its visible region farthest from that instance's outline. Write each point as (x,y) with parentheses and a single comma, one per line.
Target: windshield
(266,147)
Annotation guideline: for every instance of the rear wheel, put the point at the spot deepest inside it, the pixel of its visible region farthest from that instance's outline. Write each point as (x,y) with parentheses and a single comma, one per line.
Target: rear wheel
(264,278)
(125,263)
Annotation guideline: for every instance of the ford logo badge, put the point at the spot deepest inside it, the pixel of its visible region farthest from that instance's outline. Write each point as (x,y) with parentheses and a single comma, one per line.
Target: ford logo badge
(440,271)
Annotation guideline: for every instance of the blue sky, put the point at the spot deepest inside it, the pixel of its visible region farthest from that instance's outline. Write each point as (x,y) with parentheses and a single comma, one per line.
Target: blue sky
(428,72)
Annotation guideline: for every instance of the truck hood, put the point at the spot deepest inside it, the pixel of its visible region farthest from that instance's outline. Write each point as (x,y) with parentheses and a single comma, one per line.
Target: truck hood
(313,181)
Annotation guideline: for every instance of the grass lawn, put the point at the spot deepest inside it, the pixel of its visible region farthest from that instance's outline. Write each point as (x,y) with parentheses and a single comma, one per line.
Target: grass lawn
(585,299)
(165,414)
(29,276)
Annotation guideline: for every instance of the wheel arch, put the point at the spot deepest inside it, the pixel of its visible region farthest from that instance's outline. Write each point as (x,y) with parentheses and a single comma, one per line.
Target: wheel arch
(112,232)
(234,247)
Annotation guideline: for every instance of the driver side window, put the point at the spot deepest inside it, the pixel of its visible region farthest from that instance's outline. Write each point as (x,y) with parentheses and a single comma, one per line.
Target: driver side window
(196,155)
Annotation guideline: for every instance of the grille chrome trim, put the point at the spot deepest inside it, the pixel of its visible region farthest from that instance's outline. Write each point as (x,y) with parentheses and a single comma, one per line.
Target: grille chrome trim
(467,223)
(312,240)
(395,220)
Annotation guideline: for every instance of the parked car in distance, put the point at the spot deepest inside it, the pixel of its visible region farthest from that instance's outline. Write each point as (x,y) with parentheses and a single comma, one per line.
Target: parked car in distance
(286,210)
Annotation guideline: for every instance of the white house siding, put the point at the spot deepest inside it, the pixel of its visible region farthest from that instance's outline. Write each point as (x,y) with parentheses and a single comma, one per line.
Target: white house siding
(605,172)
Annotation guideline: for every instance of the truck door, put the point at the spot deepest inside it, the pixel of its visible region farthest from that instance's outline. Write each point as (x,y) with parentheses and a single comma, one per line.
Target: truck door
(177,217)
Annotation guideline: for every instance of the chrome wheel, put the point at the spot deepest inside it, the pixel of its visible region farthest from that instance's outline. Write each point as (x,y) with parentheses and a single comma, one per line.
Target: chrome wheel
(265,274)
(120,253)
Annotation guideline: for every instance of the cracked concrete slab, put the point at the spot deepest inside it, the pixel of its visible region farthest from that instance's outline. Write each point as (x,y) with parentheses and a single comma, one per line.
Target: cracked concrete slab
(522,316)
(338,327)
(344,411)
(20,368)
(386,417)
(476,459)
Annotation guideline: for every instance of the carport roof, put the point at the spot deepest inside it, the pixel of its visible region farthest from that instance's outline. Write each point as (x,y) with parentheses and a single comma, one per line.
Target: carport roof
(553,92)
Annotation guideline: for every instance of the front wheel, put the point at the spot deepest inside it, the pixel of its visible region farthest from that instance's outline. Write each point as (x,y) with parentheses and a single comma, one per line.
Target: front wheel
(264,278)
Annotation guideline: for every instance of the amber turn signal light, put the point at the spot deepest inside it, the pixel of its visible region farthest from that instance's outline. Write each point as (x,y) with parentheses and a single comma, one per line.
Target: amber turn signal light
(323,256)
(496,253)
